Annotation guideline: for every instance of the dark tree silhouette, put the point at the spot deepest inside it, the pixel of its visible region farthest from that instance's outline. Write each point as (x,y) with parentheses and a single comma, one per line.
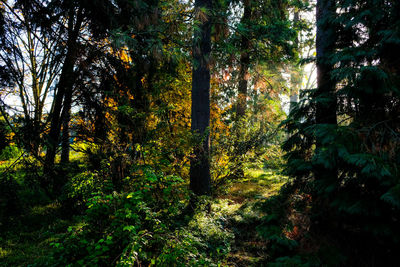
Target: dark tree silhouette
(200,178)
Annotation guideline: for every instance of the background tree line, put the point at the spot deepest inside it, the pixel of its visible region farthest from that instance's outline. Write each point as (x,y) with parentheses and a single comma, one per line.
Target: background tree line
(117,72)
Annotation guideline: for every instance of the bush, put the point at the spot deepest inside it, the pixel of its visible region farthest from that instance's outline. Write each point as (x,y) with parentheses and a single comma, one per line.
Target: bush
(245,143)
(10,152)
(140,226)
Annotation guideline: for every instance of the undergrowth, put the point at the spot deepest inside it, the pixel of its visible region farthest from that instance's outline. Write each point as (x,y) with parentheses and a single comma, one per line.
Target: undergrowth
(149,223)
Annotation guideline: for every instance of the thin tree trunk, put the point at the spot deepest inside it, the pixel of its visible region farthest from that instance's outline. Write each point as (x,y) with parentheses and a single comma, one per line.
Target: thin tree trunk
(244,64)
(65,83)
(200,178)
(65,131)
(297,73)
(64,88)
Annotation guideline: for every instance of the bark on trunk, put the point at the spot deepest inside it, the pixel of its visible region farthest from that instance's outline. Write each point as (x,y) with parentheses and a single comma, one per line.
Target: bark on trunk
(297,73)
(65,130)
(200,178)
(325,109)
(64,89)
(244,64)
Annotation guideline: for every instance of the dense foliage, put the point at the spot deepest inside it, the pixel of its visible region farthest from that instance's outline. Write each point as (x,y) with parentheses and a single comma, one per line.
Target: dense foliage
(139,133)
(358,192)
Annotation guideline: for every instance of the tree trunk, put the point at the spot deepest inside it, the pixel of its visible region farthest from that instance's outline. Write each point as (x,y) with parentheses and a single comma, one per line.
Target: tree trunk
(297,73)
(65,83)
(325,109)
(244,63)
(200,178)
(64,88)
(66,117)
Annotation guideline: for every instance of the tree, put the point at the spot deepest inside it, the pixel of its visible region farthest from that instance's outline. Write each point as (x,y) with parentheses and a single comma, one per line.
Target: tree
(251,58)
(344,144)
(264,35)
(83,27)
(244,64)
(200,178)
(63,97)
(33,62)
(61,42)
(137,108)
(325,109)
(4,142)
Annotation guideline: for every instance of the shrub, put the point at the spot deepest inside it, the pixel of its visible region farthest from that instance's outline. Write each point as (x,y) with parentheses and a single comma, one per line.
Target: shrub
(9,152)
(144,226)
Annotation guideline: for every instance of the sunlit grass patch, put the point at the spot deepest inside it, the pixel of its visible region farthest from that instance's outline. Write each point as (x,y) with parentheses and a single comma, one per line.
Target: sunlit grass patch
(226,207)
(248,194)
(256,184)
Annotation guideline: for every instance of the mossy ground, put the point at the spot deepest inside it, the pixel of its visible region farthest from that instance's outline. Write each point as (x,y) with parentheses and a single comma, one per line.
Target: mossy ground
(243,200)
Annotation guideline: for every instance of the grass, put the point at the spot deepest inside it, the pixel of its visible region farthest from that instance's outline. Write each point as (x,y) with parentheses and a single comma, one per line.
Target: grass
(35,222)
(27,240)
(257,184)
(242,206)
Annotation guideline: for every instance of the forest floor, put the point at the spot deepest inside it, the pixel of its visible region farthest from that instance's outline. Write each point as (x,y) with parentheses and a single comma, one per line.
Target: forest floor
(29,239)
(246,197)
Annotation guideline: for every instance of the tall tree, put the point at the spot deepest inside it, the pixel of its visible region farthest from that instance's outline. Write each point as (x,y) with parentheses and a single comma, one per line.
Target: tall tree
(200,178)
(265,36)
(296,75)
(34,64)
(346,132)
(325,110)
(244,61)
(75,21)
(65,85)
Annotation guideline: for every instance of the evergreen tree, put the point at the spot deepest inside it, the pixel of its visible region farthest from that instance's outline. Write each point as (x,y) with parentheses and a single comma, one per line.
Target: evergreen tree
(351,166)
(200,178)
(325,97)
